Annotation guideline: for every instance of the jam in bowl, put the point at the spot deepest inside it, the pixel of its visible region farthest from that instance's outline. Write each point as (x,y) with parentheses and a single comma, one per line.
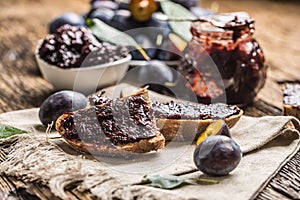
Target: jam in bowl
(72,58)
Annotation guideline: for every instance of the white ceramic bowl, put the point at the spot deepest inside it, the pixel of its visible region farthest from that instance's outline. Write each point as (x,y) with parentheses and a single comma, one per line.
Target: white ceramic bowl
(86,79)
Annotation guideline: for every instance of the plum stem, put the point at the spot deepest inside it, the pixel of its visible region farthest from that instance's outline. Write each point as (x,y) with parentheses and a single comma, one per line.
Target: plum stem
(143,52)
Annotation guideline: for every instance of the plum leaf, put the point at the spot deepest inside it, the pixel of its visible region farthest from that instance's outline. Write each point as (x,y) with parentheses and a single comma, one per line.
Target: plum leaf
(172,182)
(175,10)
(7,131)
(110,34)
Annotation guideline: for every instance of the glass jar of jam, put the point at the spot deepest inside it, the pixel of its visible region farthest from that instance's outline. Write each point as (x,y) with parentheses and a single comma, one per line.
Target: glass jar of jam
(223,60)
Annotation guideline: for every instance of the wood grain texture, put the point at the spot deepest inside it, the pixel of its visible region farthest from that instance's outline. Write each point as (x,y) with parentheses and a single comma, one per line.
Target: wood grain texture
(24,22)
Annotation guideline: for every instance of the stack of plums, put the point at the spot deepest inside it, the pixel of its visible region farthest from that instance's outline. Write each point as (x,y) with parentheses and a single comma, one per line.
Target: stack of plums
(136,18)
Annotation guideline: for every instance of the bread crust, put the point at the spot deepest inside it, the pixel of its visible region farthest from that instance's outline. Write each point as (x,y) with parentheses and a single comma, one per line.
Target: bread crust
(189,130)
(289,110)
(141,146)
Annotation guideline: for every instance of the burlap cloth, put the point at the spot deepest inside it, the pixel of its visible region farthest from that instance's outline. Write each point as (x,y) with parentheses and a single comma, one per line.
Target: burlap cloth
(267,143)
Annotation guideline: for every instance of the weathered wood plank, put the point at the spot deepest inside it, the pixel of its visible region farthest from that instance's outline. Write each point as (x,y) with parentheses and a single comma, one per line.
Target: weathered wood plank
(23,22)
(286,184)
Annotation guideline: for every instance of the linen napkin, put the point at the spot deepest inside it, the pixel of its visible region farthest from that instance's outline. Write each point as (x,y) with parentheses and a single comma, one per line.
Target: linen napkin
(267,142)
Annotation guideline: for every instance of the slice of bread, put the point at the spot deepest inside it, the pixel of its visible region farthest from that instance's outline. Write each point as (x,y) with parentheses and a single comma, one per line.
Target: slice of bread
(187,129)
(291,99)
(101,130)
(185,121)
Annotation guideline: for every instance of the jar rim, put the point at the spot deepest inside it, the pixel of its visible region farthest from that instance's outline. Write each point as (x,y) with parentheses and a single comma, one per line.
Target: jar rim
(231,28)
(206,27)
(199,29)
(223,22)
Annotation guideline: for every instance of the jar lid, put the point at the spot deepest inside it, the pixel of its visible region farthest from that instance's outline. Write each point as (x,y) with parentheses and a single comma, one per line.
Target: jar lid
(233,19)
(226,21)
(224,25)
(206,27)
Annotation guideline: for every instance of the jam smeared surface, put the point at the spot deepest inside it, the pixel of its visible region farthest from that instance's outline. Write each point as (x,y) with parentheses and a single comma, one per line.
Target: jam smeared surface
(192,111)
(183,110)
(291,95)
(115,121)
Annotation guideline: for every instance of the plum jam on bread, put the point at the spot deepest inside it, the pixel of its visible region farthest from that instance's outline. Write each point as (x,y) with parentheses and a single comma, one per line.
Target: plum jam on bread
(186,120)
(112,127)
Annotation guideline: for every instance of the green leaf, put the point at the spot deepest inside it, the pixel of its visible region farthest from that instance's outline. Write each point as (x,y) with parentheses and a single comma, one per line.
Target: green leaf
(175,10)
(171,182)
(7,131)
(164,181)
(110,34)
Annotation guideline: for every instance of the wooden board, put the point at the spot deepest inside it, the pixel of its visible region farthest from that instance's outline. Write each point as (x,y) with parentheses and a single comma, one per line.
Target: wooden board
(24,22)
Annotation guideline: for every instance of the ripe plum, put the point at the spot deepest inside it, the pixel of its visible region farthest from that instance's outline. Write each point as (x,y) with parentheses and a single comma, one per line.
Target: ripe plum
(217,155)
(105,4)
(155,72)
(156,75)
(122,20)
(66,18)
(104,14)
(60,103)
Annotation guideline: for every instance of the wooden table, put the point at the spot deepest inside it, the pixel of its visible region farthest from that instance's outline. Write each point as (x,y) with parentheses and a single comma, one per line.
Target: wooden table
(23,22)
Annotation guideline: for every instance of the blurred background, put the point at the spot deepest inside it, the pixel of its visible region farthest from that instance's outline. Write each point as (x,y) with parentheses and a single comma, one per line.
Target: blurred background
(24,22)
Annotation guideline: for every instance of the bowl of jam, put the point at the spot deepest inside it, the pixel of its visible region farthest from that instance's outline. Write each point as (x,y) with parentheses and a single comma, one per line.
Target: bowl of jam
(223,61)
(72,58)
